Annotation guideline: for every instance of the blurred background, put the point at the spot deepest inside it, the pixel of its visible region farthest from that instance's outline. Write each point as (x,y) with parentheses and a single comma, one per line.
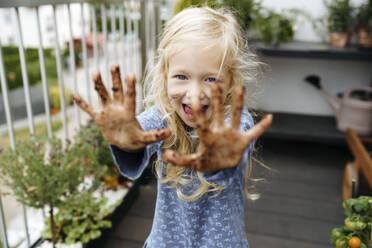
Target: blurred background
(316,81)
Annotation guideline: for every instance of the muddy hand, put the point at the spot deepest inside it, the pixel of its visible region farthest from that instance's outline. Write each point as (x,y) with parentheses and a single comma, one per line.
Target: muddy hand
(222,145)
(116,119)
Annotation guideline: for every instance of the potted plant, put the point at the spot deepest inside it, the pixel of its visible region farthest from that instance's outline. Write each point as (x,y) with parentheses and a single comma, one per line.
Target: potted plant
(81,219)
(340,22)
(49,174)
(92,137)
(364,24)
(357,231)
(245,11)
(272,27)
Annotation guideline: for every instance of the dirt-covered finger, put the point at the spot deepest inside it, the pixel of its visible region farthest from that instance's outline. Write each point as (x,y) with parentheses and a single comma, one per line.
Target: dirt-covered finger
(202,125)
(155,135)
(258,129)
(197,111)
(217,101)
(83,105)
(101,89)
(117,87)
(237,108)
(130,99)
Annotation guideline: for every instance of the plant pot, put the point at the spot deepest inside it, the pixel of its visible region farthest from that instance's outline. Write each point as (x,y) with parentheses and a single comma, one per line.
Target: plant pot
(364,37)
(115,218)
(339,39)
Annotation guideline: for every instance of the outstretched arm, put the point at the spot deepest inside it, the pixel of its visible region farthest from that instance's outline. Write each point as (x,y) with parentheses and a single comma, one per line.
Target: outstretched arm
(116,119)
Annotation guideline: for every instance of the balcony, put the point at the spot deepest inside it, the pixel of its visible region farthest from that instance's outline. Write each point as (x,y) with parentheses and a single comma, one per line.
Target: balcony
(301,199)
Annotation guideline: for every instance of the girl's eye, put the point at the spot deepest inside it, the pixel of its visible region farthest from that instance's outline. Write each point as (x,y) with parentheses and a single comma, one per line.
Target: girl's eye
(211,79)
(181,77)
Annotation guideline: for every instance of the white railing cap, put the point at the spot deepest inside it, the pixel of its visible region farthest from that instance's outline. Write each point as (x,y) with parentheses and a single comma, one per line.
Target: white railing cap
(35,3)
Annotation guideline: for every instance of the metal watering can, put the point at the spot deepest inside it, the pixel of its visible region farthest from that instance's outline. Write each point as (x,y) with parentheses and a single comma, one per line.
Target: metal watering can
(352,109)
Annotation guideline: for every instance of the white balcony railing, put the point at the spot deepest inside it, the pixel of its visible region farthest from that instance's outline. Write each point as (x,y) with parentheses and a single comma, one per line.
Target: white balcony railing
(52,23)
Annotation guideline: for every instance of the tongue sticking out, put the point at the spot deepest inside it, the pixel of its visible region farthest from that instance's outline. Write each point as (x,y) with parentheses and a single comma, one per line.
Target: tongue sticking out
(188,112)
(188,109)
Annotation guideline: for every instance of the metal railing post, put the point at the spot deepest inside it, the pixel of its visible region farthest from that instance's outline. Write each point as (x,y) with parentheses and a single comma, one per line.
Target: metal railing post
(143,36)
(60,75)
(105,48)
(157,23)
(113,31)
(8,115)
(43,75)
(73,64)
(28,102)
(85,54)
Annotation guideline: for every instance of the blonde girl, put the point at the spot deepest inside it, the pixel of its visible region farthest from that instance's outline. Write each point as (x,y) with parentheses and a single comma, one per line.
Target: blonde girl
(196,123)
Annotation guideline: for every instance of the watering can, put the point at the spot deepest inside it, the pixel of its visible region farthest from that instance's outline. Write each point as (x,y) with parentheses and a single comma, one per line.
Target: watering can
(352,109)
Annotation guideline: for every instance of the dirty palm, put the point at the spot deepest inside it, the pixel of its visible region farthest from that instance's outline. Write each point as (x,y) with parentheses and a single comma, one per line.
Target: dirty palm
(221,144)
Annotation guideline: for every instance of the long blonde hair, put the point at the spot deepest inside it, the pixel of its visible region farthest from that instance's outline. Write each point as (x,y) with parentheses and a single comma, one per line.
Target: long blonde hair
(202,26)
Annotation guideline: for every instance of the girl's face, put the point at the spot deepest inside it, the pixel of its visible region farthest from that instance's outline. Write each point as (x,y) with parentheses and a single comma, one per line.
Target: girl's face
(191,74)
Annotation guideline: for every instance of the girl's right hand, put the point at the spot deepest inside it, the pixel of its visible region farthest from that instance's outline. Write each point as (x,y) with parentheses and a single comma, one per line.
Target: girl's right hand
(116,119)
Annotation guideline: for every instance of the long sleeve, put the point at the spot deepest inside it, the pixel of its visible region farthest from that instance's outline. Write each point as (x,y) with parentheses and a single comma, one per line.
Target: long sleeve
(132,164)
(226,176)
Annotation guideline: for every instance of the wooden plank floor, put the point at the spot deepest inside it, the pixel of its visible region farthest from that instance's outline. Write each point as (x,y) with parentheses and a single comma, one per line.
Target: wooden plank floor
(299,205)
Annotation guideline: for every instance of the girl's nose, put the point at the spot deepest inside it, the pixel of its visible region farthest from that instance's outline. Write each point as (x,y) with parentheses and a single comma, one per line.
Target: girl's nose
(196,89)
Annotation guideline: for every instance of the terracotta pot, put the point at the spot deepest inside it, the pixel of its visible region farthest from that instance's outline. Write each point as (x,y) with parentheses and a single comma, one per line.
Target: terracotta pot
(364,37)
(339,39)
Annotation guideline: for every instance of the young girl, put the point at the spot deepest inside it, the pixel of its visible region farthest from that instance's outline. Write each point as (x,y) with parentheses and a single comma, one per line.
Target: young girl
(202,156)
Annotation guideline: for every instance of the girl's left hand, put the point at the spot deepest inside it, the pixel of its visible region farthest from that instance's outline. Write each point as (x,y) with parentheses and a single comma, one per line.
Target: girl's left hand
(221,145)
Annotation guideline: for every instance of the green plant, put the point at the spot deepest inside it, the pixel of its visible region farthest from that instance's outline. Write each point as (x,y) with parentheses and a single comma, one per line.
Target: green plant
(183,4)
(103,154)
(13,69)
(66,56)
(81,219)
(266,24)
(364,15)
(245,10)
(340,15)
(24,133)
(55,97)
(358,223)
(39,176)
(273,27)
(92,133)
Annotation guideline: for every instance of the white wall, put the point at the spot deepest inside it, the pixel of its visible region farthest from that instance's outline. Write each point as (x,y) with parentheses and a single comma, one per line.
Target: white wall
(284,89)
(315,8)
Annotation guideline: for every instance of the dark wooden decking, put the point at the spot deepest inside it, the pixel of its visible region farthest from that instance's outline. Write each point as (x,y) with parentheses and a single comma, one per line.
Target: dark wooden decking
(298,208)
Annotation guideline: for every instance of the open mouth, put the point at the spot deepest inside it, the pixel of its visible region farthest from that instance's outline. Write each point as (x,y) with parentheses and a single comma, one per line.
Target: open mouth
(188,111)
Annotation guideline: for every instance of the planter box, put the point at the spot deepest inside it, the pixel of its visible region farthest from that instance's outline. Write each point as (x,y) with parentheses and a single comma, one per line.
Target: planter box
(115,218)
(17,103)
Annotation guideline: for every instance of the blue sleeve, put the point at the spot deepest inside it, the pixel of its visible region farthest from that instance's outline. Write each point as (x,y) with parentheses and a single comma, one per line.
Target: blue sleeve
(225,177)
(132,164)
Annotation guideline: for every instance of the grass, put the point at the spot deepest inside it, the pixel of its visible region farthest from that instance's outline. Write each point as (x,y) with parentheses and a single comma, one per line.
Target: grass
(41,130)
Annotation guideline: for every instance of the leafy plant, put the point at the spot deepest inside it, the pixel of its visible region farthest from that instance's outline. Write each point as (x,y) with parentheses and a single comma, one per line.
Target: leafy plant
(340,15)
(358,224)
(268,25)
(245,10)
(364,15)
(273,27)
(81,219)
(55,97)
(13,70)
(47,173)
(183,4)
(90,135)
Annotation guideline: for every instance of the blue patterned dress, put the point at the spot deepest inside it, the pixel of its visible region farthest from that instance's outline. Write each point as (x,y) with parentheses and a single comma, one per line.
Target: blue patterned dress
(207,222)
